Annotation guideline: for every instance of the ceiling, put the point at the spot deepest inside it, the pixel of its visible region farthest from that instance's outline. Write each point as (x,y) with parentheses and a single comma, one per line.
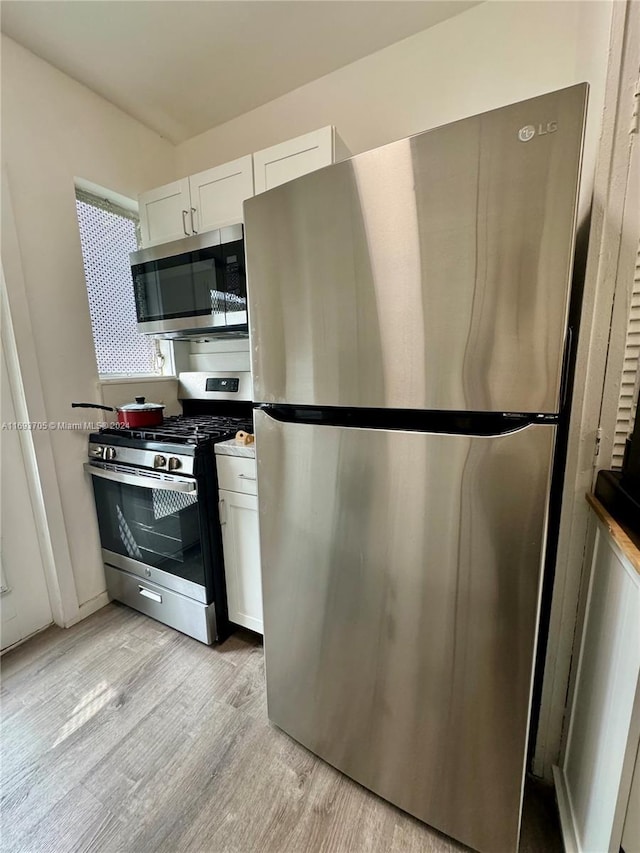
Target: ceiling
(184,66)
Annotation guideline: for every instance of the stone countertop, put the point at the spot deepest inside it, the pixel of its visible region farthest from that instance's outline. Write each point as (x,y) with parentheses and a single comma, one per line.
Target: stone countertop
(231,447)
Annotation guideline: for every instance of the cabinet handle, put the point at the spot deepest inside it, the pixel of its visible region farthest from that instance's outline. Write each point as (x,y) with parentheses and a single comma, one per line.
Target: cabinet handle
(246,477)
(223,520)
(193,225)
(184,224)
(148,594)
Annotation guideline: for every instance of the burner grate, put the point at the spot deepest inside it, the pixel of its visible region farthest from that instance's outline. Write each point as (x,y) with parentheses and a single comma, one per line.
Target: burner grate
(187,430)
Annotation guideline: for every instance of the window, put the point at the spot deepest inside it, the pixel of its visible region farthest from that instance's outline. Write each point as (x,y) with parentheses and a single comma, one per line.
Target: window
(107,235)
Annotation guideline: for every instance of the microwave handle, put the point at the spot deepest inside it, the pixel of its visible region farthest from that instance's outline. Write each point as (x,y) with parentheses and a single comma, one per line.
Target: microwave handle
(185,213)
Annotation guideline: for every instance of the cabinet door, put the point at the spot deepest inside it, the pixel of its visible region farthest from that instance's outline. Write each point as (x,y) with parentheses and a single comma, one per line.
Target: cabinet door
(217,194)
(164,213)
(604,704)
(288,160)
(241,545)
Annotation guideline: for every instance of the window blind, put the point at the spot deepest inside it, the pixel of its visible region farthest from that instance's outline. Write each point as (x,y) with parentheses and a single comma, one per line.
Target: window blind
(628,401)
(107,235)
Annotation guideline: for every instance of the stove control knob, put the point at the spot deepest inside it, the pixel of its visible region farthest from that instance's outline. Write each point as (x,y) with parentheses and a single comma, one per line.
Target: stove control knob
(159,461)
(174,463)
(109,453)
(97,451)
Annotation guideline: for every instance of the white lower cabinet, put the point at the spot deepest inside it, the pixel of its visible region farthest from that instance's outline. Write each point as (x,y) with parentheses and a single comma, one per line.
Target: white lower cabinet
(593,781)
(241,545)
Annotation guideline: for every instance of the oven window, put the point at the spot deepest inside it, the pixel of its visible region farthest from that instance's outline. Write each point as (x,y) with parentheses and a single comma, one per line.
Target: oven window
(154,526)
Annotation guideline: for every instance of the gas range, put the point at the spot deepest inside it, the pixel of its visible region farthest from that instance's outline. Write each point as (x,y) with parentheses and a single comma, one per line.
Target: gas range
(156,495)
(171,446)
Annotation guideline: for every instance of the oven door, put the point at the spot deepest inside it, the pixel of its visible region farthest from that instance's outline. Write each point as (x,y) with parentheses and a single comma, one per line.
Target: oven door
(151,525)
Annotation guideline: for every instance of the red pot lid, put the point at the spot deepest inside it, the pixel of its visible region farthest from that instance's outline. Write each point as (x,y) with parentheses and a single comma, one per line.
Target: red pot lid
(140,406)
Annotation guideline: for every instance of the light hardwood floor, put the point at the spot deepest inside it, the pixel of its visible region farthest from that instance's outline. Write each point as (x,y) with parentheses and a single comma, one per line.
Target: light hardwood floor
(120,734)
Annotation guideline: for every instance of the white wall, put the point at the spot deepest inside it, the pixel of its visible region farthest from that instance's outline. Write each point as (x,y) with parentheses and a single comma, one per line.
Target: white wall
(24,607)
(493,54)
(54,129)
(155,390)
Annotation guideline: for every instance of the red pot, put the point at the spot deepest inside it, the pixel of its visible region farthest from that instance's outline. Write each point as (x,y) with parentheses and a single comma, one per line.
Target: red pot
(140,414)
(132,415)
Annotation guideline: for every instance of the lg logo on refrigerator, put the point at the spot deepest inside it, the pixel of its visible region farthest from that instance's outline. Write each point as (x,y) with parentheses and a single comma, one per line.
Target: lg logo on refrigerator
(526,133)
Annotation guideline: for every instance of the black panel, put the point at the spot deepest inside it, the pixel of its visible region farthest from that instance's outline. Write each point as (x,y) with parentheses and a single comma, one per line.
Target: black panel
(181,286)
(219,408)
(222,384)
(464,423)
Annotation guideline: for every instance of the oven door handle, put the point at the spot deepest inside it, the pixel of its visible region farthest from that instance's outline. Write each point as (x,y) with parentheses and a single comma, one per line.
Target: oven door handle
(142,481)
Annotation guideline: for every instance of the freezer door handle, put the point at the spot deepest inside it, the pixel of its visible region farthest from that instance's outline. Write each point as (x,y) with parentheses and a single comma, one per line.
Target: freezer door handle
(487,424)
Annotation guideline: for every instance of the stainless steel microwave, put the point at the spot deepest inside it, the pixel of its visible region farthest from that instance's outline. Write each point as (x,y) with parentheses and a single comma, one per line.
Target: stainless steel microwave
(193,286)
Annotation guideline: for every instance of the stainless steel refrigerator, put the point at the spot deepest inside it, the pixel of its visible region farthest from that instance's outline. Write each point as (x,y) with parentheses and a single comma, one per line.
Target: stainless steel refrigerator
(408,315)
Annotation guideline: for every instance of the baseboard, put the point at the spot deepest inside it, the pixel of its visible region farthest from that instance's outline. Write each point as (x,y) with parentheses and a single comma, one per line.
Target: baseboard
(90,607)
(24,639)
(567,825)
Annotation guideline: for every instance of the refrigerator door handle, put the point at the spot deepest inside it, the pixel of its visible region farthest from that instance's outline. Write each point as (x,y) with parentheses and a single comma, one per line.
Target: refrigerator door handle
(485,424)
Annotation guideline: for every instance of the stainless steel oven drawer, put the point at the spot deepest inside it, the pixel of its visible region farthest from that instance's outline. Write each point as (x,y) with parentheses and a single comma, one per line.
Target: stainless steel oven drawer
(194,618)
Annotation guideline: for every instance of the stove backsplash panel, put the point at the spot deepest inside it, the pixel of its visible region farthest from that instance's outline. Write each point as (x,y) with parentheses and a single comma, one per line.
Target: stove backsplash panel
(214,355)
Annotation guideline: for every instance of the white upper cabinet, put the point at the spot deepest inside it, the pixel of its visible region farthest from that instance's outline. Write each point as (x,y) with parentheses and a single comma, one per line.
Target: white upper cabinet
(217,194)
(213,198)
(165,213)
(288,160)
(202,202)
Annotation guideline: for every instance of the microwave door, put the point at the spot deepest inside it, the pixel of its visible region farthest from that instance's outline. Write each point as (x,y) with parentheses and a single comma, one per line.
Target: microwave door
(217,293)
(201,288)
(174,289)
(208,300)
(218,304)
(148,295)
